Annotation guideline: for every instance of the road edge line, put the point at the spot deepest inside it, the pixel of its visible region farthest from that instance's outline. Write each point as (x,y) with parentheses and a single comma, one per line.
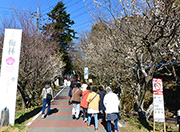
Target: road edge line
(36,116)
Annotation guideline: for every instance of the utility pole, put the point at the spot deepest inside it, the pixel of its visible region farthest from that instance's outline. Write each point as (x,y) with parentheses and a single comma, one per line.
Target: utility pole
(36,15)
(36,45)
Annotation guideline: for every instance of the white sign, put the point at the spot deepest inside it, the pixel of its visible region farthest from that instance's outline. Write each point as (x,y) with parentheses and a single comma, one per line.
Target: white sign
(90,81)
(9,71)
(86,73)
(158,100)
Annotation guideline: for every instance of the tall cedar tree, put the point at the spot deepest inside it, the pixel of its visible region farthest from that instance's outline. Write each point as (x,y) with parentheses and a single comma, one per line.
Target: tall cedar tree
(59,26)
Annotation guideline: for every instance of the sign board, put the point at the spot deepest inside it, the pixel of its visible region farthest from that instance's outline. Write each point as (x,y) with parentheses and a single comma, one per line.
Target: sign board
(86,73)
(9,71)
(158,100)
(90,81)
(157,84)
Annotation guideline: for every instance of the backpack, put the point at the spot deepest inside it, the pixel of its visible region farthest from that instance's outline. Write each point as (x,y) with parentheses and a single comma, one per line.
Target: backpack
(48,97)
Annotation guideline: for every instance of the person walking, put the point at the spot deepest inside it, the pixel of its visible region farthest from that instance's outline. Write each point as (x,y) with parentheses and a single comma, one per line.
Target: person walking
(84,103)
(101,104)
(65,82)
(46,90)
(76,99)
(73,85)
(68,83)
(84,86)
(93,107)
(111,103)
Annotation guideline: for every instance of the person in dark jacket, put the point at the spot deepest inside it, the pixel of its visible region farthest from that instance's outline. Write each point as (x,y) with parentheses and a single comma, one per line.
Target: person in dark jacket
(101,105)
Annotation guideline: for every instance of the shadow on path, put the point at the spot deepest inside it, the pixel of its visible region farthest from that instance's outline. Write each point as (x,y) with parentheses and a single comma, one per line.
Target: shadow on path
(105,125)
(55,110)
(27,115)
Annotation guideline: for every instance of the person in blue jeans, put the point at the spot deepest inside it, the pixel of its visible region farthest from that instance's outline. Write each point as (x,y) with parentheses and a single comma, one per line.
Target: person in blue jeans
(95,121)
(45,90)
(112,109)
(93,107)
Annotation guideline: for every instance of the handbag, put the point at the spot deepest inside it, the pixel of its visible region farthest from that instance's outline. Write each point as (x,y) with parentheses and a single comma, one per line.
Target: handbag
(70,101)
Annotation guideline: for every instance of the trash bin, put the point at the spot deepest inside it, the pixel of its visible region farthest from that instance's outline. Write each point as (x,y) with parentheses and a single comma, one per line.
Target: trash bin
(4,117)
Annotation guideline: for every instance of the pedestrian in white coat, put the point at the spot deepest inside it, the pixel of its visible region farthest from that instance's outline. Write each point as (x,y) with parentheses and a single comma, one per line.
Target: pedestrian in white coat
(112,109)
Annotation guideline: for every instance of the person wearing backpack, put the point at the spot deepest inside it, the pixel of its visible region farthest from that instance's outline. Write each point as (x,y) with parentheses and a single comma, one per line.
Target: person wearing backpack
(93,107)
(47,95)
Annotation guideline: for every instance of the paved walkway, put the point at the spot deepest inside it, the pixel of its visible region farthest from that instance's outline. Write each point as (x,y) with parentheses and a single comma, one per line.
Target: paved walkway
(61,120)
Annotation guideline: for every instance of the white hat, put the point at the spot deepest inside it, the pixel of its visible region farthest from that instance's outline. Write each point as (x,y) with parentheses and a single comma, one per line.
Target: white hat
(108,89)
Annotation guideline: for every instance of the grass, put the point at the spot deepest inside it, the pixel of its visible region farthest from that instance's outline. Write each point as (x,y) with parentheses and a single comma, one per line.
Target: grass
(21,118)
(27,115)
(135,125)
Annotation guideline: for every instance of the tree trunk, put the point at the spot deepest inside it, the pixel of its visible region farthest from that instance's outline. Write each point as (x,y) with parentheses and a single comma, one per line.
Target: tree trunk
(22,95)
(23,105)
(149,111)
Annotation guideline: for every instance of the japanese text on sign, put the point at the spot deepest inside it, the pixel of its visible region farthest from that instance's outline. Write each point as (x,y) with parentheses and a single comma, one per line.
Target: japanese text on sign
(158,100)
(12,44)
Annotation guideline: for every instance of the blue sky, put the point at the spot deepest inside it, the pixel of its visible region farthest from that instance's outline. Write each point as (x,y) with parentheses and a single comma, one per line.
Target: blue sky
(76,8)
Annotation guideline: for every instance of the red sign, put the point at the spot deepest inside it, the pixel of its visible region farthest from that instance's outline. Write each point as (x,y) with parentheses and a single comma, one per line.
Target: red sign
(157,84)
(157,92)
